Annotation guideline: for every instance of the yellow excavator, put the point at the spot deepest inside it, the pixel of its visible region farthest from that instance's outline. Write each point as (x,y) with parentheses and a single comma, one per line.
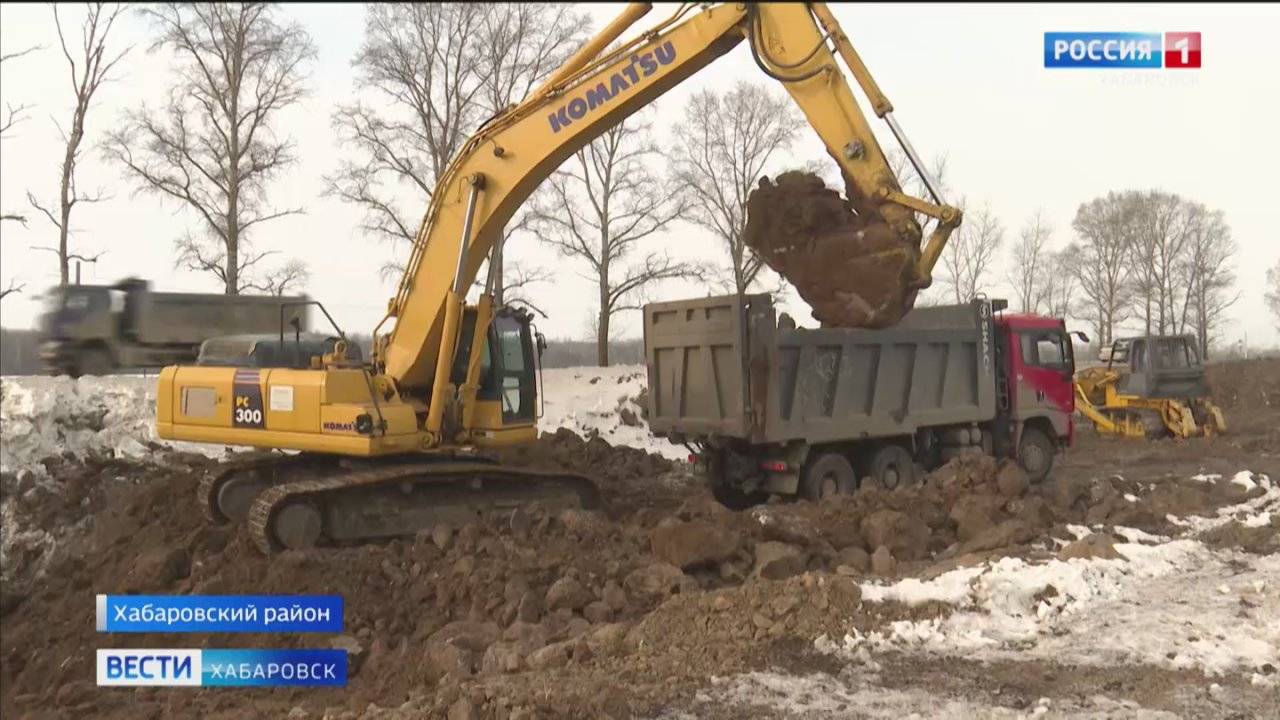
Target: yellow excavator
(1150,387)
(392,445)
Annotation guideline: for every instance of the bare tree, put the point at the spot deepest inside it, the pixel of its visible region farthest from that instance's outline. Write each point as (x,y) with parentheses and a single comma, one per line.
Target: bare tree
(1158,241)
(1058,284)
(1204,271)
(290,276)
(601,204)
(1104,227)
(1031,255)
(211,147)
(14,115)
(722,147)
(90,66)
(968,257)
(13,287)
(432,73)
(1272,294)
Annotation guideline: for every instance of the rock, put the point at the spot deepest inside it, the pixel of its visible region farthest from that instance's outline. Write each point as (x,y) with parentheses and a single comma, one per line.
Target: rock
(463,709)
(159,567)
(776,560)
(654,581)
(721,603)
(597,612)
(783,605)
(576,627)
(975,514)
(526,636)
(551,656)
(1010,532)
(607,639)
(348,643)
(531,607)
(474,636)
(904,535)
(515,588)
(521,523)
(1012,479)
(296,713)
(615,597)
(447,659)
(882,562)
(442,535)
(760,621)
(689,544)
(569,593)
(628,417)
(583,523)
(854,557)
(1095,545)
(501,657)
(846,590)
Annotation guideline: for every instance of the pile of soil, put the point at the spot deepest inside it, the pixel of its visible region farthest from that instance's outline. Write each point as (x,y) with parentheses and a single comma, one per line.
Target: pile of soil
(854,271)
(1246,384)
(613,612)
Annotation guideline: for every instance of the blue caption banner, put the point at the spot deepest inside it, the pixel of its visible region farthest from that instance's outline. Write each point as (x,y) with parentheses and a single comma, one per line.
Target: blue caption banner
(221,668)
(219,613)
(1102,50)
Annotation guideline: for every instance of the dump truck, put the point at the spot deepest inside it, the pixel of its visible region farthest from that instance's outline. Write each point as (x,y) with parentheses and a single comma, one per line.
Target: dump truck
(767,407)
(98,329)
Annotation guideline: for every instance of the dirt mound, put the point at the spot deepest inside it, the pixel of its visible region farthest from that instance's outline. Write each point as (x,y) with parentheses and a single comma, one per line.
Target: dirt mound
(1246,384)
(853,271)
(653,594)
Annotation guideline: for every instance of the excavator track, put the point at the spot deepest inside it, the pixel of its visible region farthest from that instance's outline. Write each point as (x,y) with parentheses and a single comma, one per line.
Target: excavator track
(402,499)
(226,496)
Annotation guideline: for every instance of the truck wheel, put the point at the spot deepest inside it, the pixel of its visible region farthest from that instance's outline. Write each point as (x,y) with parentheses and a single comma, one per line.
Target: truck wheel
(1035,454)
(829,475)
(95,362)
(892,467)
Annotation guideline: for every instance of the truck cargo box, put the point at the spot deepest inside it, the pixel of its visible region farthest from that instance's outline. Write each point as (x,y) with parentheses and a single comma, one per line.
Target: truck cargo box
(723,367)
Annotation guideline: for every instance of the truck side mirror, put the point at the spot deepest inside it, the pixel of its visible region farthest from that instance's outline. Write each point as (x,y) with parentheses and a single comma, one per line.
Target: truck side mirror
(541,342)
(1080,334)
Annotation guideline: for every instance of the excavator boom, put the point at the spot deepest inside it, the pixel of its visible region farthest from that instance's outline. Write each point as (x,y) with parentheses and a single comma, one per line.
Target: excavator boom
(504,162)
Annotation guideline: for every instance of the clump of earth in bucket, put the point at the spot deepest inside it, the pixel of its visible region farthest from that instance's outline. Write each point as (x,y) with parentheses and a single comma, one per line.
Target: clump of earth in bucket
(852,271)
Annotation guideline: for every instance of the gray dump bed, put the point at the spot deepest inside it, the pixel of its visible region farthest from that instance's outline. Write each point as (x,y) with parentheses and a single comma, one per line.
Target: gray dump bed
(721,366)
(193,317)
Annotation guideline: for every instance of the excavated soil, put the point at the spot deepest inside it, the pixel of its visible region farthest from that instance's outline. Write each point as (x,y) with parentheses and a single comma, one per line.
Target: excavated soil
(627,611)
(853,271)
(614,613)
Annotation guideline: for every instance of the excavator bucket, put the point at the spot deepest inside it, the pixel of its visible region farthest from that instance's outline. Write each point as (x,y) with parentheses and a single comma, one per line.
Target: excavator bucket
(853,272)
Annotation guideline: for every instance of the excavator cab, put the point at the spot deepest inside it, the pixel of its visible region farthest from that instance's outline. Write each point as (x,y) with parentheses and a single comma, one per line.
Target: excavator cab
(507,391)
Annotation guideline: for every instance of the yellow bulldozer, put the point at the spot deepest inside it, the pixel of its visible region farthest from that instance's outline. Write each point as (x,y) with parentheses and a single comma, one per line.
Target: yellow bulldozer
(1150,387)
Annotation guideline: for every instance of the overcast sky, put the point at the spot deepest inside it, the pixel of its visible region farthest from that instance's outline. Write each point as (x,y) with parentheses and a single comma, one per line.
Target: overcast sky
(967,82)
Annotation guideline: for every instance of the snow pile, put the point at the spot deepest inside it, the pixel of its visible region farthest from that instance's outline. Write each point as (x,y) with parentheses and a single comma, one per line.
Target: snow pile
(605,402)
(42,417)
(1171,602)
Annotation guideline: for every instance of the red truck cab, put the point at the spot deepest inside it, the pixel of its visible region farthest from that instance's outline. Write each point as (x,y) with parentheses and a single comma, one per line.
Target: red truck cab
(1035,396)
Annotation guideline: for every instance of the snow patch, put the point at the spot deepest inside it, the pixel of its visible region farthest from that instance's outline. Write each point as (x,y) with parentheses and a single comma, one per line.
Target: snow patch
(1170,602)
(593,400)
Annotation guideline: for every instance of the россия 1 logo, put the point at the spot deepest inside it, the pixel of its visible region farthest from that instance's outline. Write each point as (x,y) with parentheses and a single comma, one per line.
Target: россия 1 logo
(1121,50)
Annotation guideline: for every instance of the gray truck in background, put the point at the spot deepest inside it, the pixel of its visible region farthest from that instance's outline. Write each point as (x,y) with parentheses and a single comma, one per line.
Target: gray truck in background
(766,407)
(97,329)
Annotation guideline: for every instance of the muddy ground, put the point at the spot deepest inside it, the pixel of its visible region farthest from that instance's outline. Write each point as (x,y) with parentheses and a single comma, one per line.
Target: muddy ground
(639,610)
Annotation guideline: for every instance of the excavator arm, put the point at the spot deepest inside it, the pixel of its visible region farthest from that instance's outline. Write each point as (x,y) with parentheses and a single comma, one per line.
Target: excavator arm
(502,164)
